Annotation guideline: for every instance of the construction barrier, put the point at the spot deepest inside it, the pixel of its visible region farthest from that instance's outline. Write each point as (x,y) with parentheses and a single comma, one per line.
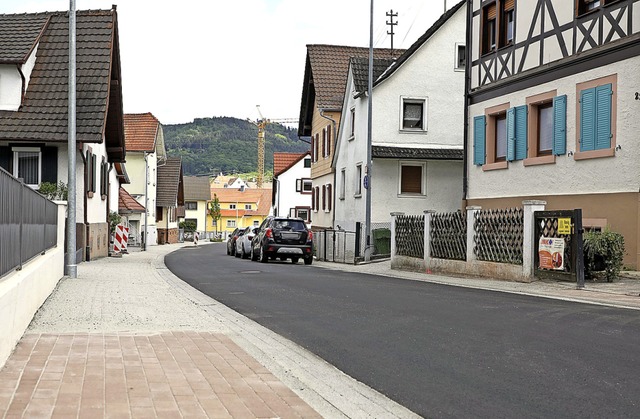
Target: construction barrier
(121,238)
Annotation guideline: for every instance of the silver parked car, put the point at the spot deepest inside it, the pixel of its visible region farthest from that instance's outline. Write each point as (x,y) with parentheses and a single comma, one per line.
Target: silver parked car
(243,243)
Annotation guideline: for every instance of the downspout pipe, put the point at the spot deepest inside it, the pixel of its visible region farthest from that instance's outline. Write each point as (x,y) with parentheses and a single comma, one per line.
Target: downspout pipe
(467,86)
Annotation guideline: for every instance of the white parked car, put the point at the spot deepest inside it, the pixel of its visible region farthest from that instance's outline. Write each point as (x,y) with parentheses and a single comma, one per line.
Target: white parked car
(243,244)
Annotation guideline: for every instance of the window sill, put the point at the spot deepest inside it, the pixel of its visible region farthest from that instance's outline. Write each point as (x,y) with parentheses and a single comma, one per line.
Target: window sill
(495,166)
(90,194)
(412,131)
(104,197)
(352,138)
(411,195)
(594,154)
(357,195)
(341,198)
(535,161)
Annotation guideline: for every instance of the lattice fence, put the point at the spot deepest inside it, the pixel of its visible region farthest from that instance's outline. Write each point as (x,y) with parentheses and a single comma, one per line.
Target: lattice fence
(449,235)
(499,235)
(410,236)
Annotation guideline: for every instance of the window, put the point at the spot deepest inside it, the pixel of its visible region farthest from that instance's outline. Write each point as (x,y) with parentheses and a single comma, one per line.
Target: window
(461,57)
(104,178)
(353,123)
(191,205)
(329,197)
(247,206)
(315,199)
(413,114)
(324,197)
(489,25)
(506,22)
(584,6)
(303,212)
(343,183)
(490,148)
(27,165)
(256,223)
(306,186)
(159,213)
(324,143)
(596,118)
(412,178)
(545,128)
(501,137)
(313,147)
(328,147)
(231,223)
(358,184)
(317,145)
(307,163)
(232,206)
(172,215)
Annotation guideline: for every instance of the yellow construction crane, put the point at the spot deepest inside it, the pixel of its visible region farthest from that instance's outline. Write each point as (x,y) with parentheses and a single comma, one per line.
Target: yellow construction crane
(262,124)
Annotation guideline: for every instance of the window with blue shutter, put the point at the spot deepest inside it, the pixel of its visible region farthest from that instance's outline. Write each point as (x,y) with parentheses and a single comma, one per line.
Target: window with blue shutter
(560,125)
(595,118)
(479,140)
(511,134)
(521,132)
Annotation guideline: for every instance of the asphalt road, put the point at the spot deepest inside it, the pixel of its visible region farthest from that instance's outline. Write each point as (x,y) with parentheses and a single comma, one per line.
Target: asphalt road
(441,351)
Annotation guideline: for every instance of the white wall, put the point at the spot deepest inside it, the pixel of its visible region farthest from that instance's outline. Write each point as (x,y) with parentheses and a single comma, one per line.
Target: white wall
(23,292)
(200,216)
(287,196)
(568,176)
(136,171)
(10,87)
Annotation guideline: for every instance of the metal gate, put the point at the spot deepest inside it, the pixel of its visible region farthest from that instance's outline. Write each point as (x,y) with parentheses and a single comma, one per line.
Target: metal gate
(558,247)
(337,246)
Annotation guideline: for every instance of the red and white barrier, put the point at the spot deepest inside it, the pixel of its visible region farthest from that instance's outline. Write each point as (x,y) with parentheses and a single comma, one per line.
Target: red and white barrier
(121,238)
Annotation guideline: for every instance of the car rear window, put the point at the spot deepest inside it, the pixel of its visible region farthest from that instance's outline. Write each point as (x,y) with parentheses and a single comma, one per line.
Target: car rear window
(295,225)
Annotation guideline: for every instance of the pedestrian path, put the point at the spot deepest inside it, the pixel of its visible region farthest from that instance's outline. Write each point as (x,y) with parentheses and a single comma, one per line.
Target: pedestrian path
(129,339)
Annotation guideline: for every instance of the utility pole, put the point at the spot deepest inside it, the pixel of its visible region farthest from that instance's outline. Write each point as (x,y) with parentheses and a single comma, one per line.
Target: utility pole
(72,267)
(368,174)
(391,23)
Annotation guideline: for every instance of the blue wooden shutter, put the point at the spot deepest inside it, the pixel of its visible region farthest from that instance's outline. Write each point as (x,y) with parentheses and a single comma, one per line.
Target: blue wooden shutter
(587,119)
(479,140)
(521,132)
(511,134)
(560,125)
(603,116)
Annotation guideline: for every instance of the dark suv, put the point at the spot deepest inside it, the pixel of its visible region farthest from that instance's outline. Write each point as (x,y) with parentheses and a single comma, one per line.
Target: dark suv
(283,238)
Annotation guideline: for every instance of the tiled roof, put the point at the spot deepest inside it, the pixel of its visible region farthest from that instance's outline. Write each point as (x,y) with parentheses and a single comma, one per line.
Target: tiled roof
(140,130)
(325,78)
(43,114)
(18,36)
(197,188)
(360,66)
(384,152)
(169,175)
(283,161)
(424,38)
(127,203)
(261,197)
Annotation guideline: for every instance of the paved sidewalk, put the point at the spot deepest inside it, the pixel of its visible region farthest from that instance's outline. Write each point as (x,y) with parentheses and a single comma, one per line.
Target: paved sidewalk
(130,339)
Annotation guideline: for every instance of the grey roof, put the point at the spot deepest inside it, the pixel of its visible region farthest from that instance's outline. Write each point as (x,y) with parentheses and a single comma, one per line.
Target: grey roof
(197,188)
(43,113)
(169,176)
(384,152)
(18,36)
(360,67)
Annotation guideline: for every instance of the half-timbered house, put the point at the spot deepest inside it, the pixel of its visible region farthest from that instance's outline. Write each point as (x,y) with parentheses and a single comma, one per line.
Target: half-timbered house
(552,109)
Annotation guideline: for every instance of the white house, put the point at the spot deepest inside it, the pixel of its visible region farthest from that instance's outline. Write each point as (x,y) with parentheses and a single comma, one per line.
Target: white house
(144,140)
(34,106)
(417,132)
(197,194)
(553,109)
(292,185)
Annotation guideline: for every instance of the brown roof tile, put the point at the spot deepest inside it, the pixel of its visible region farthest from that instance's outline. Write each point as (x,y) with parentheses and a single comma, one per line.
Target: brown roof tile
(43,114)
(169,176)
(197,188)
(283,161)
(140,130)
(127,203)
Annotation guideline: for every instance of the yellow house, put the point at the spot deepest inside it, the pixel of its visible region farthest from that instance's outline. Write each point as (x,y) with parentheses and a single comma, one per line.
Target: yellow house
(240,208)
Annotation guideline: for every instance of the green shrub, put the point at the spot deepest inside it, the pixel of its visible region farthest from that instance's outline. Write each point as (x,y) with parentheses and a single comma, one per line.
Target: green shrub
(54,191)
(603,251)
(189,226)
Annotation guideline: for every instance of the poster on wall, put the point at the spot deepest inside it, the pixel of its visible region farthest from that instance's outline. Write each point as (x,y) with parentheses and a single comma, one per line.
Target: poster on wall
(551,253)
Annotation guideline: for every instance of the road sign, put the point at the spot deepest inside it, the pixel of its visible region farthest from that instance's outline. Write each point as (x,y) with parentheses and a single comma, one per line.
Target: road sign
(365,181)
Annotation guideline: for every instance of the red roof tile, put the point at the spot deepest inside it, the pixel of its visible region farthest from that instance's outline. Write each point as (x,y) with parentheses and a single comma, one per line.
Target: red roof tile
(127,203)
(140,130)
(283,161)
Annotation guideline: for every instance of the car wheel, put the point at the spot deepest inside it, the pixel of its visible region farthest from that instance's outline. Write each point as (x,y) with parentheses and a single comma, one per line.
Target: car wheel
(263,257)
(237,254)
(244,254)
(294,260)
(308,260)
(228,251)
(254,256)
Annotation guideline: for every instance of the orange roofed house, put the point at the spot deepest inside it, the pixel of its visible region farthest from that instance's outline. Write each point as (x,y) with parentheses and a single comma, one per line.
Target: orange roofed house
(240,207)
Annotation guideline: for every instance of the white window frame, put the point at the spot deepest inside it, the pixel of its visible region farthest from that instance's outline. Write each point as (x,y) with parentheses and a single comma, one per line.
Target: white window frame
(343,182)
(16,162)
(423,181)
(352,121)
(248,206)
(232,206)
(358,190)
(231,223)
(188,203)
(414,100)
(306,182)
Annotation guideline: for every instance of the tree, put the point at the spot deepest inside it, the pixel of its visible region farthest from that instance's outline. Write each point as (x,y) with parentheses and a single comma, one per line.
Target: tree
(214,211)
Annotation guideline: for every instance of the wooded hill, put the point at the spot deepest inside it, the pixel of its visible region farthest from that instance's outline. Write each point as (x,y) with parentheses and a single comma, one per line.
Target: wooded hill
(227,145)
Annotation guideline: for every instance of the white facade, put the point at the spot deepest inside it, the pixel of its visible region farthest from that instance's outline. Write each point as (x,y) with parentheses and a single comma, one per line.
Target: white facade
(439,85)
(137,164)
(291,197)
(11,82)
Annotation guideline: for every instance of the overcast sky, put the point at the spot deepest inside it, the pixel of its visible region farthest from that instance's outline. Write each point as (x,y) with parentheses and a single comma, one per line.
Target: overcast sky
(202,58)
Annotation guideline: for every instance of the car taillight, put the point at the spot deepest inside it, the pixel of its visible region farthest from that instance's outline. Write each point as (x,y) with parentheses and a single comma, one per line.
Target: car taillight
(309,235)
(268,233)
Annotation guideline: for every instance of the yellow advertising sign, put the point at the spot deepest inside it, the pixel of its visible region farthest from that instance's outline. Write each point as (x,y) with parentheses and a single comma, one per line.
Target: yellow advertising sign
(564,225)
